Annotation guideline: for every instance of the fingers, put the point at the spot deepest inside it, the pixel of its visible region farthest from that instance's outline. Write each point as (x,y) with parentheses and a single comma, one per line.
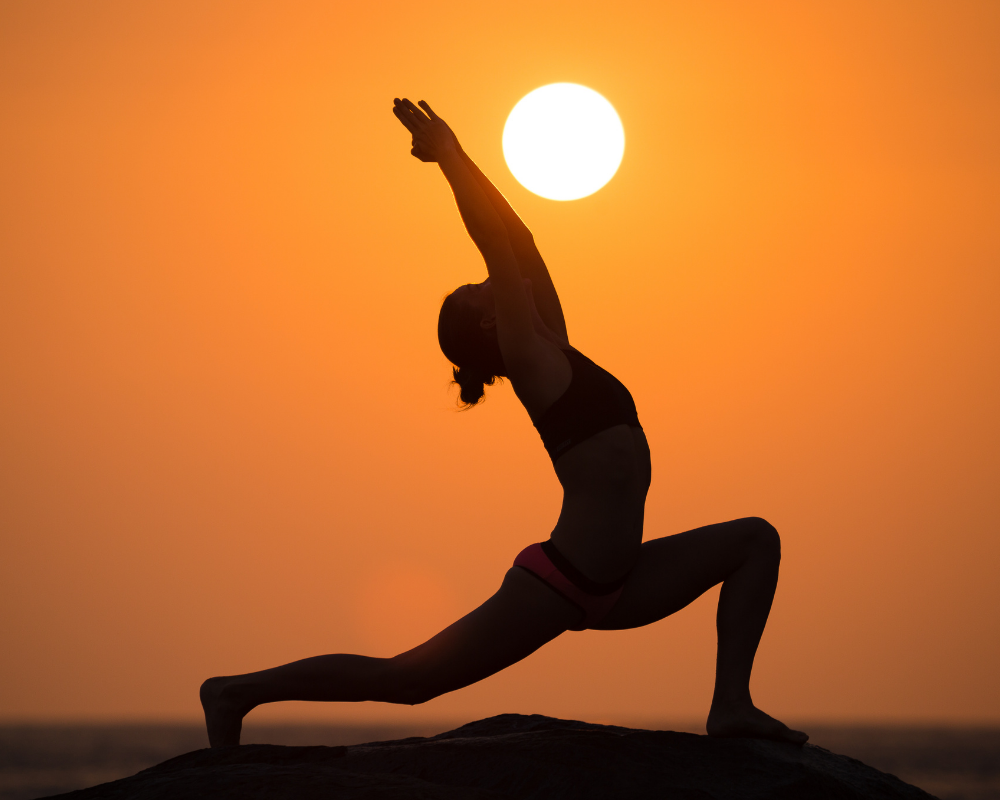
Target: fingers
(411,116)
(416,115)
(427,108)
(406,118)
(398,114)
(429,131)
(402,113)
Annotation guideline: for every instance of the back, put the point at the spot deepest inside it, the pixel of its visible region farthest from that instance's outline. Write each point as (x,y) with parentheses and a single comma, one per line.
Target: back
(595,400)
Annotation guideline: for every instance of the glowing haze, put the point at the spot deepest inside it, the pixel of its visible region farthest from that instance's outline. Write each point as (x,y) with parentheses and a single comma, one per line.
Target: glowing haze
(563,141)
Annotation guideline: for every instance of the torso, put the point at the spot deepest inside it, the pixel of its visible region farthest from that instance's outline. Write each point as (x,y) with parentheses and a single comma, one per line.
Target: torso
(605,479)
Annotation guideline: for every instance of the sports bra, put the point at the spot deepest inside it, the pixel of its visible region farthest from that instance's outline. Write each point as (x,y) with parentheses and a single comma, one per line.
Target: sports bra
(594,401)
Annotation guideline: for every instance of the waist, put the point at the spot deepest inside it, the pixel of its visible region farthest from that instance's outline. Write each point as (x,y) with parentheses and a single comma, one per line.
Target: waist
(611,464)
(603,546)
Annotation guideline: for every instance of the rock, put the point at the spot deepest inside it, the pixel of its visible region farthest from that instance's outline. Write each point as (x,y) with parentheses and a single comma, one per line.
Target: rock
(514,756)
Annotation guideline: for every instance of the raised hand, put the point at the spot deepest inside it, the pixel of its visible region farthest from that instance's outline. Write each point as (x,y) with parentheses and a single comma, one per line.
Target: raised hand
(403,114)
(432,137)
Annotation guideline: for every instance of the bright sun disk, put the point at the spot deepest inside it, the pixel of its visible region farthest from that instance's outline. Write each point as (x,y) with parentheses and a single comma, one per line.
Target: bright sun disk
(563,141)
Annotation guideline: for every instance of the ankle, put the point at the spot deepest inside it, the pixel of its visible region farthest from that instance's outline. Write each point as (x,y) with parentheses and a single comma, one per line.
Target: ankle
(729,699)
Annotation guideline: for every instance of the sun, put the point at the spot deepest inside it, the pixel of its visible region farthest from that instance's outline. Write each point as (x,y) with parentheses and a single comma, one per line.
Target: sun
(563,141)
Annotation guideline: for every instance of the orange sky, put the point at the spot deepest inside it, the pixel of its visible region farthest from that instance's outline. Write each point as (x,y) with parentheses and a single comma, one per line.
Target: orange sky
(226,434)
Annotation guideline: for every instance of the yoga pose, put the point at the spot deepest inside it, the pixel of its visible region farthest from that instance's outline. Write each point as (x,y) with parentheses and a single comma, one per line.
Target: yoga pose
(594,571)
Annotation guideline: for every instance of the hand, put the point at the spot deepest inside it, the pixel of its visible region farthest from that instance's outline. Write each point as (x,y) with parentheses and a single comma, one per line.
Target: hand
(432,138)
(417,151)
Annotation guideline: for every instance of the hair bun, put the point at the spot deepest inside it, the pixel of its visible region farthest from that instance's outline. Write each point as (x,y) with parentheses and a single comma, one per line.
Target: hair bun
(472,383)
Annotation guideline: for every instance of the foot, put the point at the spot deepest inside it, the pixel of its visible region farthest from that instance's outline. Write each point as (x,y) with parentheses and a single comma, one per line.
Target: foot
(223,718)
(750,722)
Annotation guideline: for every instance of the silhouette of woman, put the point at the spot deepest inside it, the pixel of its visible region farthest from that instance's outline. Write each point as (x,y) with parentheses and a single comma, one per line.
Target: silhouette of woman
(594,571)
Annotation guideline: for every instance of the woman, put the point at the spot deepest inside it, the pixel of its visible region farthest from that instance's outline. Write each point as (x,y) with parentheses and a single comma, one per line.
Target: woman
(594,571)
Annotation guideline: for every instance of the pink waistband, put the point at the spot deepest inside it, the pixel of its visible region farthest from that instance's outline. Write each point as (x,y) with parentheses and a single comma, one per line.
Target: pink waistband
(594,607)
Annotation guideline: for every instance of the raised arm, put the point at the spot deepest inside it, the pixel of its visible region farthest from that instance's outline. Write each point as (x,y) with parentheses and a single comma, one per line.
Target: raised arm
(528,258)
(522,243)
(515,328)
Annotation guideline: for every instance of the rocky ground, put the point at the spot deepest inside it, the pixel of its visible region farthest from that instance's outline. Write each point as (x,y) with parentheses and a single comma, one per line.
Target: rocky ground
(514,756)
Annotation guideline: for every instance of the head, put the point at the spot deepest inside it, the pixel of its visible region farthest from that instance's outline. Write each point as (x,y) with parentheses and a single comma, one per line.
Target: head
(468,338)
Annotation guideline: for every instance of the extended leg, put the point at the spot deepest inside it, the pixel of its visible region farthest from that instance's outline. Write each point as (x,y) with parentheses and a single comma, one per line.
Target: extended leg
(673,571)
(522,616)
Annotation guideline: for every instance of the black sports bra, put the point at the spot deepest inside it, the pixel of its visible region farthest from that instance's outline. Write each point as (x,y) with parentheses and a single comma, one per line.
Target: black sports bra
(594,401)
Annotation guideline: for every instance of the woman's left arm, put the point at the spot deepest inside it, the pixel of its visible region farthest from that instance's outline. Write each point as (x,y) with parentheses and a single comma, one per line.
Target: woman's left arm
(516,335)
(522,242)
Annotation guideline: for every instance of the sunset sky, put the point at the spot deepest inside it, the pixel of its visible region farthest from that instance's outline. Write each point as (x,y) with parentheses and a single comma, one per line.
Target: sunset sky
(227,435)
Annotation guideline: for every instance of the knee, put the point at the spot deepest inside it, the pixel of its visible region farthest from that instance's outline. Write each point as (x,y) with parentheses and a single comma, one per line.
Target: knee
(413,695)
(763,537)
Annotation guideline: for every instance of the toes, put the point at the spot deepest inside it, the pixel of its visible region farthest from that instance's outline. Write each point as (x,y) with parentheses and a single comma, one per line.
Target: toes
(798,737)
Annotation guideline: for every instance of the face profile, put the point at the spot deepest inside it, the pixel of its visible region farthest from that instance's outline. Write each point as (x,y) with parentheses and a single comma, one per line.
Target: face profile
(480,297)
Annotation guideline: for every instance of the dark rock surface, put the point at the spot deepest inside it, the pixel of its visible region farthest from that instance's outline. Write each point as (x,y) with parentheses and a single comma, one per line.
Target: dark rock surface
(514,756)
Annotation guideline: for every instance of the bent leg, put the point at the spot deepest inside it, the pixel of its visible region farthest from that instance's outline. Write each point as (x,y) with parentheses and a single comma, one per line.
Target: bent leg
(671,572)
(674,571)
(523,615)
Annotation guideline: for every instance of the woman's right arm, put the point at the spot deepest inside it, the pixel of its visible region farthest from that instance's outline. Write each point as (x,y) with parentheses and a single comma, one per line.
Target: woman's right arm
(518,341)
(522,243)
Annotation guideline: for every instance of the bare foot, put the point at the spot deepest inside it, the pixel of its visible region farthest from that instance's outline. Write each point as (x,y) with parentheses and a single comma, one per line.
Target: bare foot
(750,722)
(223,718)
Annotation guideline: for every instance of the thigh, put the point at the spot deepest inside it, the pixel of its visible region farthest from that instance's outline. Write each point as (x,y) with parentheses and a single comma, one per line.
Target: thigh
(523,615)
(674,571)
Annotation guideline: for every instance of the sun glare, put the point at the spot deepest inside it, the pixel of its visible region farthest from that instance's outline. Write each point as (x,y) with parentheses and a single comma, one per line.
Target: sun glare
(563,141)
